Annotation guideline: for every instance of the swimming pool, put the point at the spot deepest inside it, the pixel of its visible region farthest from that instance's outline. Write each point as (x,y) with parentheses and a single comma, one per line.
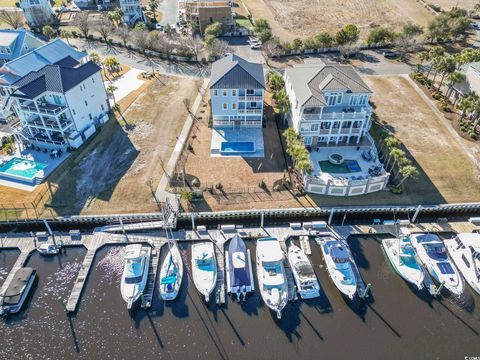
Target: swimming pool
(348,166)
(21,169)
(237,147)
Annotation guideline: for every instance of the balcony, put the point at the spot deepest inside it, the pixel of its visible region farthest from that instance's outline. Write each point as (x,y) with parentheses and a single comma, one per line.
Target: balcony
(48,124)
(250,97)
(44,108)
(339,113)
(249,111)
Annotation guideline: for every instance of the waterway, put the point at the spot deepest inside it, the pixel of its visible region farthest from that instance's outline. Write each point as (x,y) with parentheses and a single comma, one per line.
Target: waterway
(396,322)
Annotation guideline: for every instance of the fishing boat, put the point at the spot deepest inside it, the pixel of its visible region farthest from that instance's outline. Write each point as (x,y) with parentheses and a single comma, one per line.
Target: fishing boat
(464,250)
(432,253)
(17,291)
(401,254)
(171,273)
(272,279)
(238,265)
(204,268)
(303,273)
(48,249)
(135,272)
(340,265)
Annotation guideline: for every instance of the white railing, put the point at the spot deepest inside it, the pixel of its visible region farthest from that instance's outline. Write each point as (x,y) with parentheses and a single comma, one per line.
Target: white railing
(337,115)
(249,111)
(250,97)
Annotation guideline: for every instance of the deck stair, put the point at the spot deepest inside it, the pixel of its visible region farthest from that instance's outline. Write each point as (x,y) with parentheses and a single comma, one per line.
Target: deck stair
(152,275)
(220,287)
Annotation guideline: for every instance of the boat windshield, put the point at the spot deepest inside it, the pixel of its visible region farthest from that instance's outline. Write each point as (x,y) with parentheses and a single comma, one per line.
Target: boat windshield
(436,251)
(134,267)
(133,280)
(205,264)
(304,270)
(272,268)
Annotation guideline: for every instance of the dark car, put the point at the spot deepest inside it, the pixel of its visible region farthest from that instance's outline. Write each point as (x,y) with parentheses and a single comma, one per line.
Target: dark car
(390,55)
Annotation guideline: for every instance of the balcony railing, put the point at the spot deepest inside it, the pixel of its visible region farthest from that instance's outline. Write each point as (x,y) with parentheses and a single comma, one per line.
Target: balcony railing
(354,130)
(250,97)
(36,122)
(45,108)
(249,111)
(332,115)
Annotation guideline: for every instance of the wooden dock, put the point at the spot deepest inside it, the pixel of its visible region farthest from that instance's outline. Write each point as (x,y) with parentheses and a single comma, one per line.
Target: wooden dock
(26,246)
(292,289)
(220,286)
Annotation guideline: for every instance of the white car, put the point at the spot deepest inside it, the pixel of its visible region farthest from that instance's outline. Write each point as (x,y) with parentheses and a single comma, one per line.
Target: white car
(255,46)
(159,27)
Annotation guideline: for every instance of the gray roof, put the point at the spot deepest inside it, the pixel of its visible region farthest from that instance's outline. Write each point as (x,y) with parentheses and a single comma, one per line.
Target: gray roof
(233,72)
(55,78)
(309,80)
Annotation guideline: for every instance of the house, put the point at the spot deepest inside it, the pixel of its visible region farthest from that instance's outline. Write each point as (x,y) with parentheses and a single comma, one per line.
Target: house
(132,11)
(471,83)
(60,105)
(329,108)
(237,90)
(15,43)
(203,13)
(37,12)
(34,60)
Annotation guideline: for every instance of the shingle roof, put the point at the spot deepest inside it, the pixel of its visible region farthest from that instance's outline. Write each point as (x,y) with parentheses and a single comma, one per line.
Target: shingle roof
(54,78)
(233,72)
(309,80)
(36,59)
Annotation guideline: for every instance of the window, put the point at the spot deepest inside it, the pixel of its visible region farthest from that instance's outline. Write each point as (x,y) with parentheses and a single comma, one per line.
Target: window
(225,107)
(253,104)
(315,127)
(234,92)
(304,127)
(308,140)
(215,92)
(362,100)
(224,92)
(250,91)
(86,104)
(334,98)
(353,100)
(234,106)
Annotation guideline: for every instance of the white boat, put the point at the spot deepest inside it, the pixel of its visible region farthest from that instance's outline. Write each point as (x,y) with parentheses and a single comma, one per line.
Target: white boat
(238,266)
(17,291)
(272,279)
(401,254)
(204,268)
(48,249)
(135,272)
(171,273)
(340,266)
(464,250)
(432,253)
(303,273)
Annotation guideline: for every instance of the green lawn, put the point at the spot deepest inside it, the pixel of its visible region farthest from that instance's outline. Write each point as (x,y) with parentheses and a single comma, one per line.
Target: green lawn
(242,21)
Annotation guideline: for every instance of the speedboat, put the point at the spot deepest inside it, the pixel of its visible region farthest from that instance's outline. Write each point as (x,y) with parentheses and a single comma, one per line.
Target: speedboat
(272,279)
(340,266)
(204,268)
(171,273)
(432,253)
(401,254)
(238,264)
(303,273)
(135,272)
(48,249)
(464,250)
(17,291)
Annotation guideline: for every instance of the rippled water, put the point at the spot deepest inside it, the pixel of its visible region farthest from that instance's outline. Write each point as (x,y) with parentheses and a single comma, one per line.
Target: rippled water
(395,323)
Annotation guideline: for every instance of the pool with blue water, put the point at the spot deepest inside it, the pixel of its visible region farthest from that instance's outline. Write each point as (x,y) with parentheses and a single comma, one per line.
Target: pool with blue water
(19,168)
(237,147)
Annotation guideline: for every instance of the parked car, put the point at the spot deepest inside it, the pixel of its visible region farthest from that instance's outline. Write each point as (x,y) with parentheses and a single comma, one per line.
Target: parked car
(159,27)
(389,54)
(475,25)
(255,46)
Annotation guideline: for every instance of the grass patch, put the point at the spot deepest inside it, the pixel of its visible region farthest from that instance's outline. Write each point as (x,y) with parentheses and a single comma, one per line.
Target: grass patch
(243,21)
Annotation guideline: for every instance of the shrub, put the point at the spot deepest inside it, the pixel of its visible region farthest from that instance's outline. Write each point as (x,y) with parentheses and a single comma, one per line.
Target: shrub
(190,147)
(437,95)
(396,189)
(186,195)
(262,185)
(219,186)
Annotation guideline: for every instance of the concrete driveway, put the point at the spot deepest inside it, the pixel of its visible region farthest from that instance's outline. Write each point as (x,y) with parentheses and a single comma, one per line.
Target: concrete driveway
(126,84)
(241,47)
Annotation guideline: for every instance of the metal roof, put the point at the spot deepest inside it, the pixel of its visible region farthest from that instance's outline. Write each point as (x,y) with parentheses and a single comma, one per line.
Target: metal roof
(17,40)
(233,72)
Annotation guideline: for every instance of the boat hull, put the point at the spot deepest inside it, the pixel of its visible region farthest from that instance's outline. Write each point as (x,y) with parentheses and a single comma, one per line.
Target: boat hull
(238,267)
(307,288)
(15,308)
(173,258)
(131,293)
(204,280)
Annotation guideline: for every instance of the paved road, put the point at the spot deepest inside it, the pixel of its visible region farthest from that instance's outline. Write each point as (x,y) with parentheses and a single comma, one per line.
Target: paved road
(169,10)
(136,61)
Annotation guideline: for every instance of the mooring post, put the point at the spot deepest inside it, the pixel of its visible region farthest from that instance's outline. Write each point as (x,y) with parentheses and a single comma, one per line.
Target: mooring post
(262,218)
(49,230)
(439,288)
(331,216)
(193,221)
(365,293)
(419,207)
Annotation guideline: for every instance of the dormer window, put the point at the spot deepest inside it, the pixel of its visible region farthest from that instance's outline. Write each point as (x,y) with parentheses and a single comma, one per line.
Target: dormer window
(333,98)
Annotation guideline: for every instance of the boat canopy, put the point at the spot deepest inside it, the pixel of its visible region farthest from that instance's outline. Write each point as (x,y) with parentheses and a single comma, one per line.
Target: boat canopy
(304,270)
(338,251)
(427,238)
(270,249)
(15,289)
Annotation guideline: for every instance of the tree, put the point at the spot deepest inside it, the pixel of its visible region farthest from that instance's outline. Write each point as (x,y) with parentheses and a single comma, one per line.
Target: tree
(12,18)
(214,30)
(112,64)
(194,44)
(218,48)
(394,155)
(65,34)
(434,54)
(263,30)
(48,31)
(448,66)
(111,91)
(116,16)
(153,6)
(82,21)
(275,81)
(282,102)
(124,33)
(324,40)
(140,26)
(94,57)
(348,35)
(453,78)
(407,172)
(297,151)
(380,35)
(407,39)
(272,48)
(423,56)
(140,39)
(104,28)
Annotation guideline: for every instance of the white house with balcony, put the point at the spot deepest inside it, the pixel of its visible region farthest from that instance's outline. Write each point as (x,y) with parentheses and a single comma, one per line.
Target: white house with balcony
(237,89)
(37,12)
(60,105)
(132,11)
(329,108)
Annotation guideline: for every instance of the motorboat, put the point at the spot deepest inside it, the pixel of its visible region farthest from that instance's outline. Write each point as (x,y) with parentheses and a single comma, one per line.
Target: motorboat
(204,268)
(432,253)
(135,272)
(303,273)
(238,265)
(48,249)
(340,265)
(464,249)
(401,255)
(171,273)
(272,279)
(11,301)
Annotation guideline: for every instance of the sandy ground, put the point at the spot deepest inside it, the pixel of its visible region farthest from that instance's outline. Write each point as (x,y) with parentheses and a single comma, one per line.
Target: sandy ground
(301,18)
(447,175)
(448,4)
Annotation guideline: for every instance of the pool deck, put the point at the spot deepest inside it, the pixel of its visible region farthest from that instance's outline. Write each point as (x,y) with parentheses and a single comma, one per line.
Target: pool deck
(223,134)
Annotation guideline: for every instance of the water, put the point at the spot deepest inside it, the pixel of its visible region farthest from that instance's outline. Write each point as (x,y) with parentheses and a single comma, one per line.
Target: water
(237,147)
(396,320)
(7,260)
(18,167)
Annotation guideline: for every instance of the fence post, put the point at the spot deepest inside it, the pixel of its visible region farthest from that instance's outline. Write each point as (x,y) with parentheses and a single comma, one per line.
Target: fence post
(416,213)
(35,209)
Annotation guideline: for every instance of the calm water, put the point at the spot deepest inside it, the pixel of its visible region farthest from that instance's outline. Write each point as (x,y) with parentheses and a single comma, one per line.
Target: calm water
(396,320)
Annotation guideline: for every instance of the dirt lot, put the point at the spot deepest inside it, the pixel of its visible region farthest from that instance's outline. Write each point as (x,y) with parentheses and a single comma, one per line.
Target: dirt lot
(293,18)
(448,4)
(447,174)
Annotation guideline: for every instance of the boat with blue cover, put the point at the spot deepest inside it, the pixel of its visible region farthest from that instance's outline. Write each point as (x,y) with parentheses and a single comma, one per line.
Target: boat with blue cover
(238,266)
(171,273)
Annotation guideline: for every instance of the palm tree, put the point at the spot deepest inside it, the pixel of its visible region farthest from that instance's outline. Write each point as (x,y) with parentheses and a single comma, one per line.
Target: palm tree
(111,90)
(66,35)
(465,106)
(283,102)
(423,56)
(434,53)
(452,79)
(448,67)
(275,81)
(408,171)
(94,57)
(394,154)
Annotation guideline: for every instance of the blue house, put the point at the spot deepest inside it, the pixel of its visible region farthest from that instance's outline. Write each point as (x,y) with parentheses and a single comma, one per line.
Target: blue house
(236,89)
(15,43)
